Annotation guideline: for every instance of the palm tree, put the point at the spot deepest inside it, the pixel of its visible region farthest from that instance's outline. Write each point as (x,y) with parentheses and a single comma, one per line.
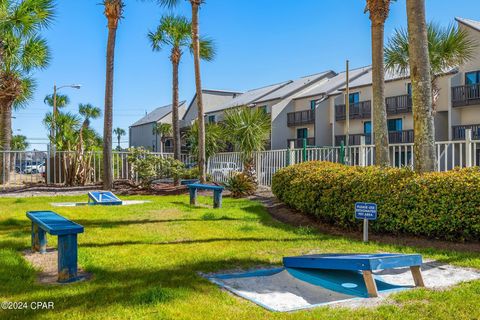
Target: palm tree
(379,10)
(78,165)
(421,77)
(176,32)
(25,17)
(215,139)
(19,143)
(23,53)
(113,12)
(119,132)
(88,112)
(163,130)
(448,47)
(248,130)
(195,4)
(62,100)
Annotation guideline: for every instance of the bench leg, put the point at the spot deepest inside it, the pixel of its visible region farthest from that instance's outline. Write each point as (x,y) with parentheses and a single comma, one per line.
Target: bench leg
(67,258)
(193,197)
(39,239)
(217,199)
(417,276)
(370,283)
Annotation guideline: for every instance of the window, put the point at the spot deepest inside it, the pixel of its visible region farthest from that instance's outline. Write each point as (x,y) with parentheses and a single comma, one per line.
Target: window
(472,77)
(263,108)
(409,89)
(394,124)
(367,127)
(313,104)
(211,119)
(354,98)
(302,133)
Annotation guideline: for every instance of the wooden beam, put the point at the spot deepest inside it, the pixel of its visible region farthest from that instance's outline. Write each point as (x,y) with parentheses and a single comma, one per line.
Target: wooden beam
(417,276)
(370,283)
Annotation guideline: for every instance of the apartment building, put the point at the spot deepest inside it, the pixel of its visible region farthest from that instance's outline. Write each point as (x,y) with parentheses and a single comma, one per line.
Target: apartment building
(141,133)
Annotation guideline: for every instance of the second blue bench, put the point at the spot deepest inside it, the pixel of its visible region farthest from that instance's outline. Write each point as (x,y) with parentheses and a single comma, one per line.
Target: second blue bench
(217,193)
(50,222)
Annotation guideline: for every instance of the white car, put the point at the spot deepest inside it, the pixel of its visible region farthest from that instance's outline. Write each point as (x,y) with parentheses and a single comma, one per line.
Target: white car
(35,168)
(221,170)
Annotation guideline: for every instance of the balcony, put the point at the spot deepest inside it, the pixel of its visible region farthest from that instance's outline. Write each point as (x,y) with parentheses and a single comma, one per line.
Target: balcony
(299,142)
(404,136)
(458,132)
(359,110)
(300,118)
(353,139)
(466,95)
(399,104)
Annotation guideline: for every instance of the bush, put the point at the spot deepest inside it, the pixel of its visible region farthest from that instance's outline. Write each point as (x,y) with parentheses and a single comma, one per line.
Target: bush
(443,205)
(240,185)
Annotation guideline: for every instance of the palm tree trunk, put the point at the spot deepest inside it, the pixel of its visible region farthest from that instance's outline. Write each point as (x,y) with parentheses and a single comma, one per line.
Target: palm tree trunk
(108,114)
(198,85)
(6,105)
(176,128)
(423,122)
(380,130)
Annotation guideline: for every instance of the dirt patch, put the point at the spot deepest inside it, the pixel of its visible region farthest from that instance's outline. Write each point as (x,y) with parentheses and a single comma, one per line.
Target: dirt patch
(287,215)
(47,265)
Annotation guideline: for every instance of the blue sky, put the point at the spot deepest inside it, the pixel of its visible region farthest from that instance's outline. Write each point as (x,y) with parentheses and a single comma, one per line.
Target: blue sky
(259,42)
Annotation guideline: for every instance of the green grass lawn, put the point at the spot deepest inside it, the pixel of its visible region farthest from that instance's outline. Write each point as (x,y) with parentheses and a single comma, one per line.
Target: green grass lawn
(146,258)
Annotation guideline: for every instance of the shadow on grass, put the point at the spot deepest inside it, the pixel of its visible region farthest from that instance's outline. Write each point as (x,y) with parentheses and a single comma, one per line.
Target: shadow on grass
(197,241)
(134,287)
(118,223)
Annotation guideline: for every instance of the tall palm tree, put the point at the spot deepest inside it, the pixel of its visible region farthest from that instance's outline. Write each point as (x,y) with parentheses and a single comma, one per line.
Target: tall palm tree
(448,47)
(88,112)
(421,77)
(195,5)
(379,10)
(62,100)
(113,12)
(163,130)
(23,53)
(248,130)
(119,132)
(176,32)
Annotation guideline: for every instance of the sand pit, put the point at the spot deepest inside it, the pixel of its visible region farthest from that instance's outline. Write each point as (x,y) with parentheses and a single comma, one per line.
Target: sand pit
(277,290)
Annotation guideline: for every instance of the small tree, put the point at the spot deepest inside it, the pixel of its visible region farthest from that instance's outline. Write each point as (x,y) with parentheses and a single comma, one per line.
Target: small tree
(19,143)
(119,132)
(215,140)
(248,130)
(163,130)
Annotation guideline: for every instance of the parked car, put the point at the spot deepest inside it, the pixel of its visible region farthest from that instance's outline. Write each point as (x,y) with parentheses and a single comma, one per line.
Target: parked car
(221,170)
(35,168)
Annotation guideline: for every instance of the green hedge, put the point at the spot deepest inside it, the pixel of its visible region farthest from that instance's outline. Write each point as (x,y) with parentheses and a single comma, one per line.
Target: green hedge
(442,205)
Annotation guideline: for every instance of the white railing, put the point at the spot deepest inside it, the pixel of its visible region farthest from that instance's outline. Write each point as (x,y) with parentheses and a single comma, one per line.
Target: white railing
(42,167)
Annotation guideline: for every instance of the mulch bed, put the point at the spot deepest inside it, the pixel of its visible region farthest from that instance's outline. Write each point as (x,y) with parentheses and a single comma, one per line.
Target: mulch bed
(285,214)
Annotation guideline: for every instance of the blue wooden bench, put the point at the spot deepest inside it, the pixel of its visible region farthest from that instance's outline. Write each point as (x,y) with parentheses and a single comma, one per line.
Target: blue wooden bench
(66,230)
(217,193)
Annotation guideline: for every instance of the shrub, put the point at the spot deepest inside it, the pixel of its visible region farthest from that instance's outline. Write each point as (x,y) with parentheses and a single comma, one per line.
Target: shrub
(443,205)
(240,185)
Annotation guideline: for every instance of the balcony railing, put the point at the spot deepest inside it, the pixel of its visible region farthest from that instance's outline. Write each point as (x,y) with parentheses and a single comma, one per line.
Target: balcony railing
(466,95)
(299,142)
(300,118)
(399,104)
(458,132)
(404,136)
(353,139)
(359,110)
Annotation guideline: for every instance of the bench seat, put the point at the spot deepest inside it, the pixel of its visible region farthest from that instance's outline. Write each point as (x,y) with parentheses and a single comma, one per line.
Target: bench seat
(50,222)
(217,193)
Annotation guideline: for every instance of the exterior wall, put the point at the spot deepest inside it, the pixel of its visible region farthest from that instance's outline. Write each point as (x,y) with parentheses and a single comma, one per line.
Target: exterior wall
(142,136)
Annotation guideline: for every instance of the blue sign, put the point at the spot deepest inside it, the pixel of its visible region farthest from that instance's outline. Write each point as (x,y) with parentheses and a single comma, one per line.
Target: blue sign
(365,210)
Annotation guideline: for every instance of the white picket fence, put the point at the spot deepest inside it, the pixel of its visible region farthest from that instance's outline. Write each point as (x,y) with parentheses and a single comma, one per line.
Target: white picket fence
(34,167)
